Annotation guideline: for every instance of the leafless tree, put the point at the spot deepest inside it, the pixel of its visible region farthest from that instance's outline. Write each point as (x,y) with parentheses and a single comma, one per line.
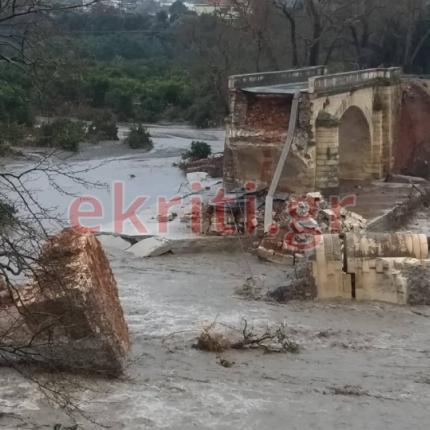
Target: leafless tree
(23,24)
(288,10)
(24,220)
(313,25)
(255,18)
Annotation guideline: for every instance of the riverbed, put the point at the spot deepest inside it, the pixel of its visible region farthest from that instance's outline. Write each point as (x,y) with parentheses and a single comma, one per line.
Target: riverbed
(359,365)
(94,171)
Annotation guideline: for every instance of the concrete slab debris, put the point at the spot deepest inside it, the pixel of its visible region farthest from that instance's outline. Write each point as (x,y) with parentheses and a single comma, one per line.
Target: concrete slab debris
(158,246)
(151,247)
(113,242)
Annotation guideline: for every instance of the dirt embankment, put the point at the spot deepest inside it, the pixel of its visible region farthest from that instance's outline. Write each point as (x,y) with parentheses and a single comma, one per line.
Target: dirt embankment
(412,149)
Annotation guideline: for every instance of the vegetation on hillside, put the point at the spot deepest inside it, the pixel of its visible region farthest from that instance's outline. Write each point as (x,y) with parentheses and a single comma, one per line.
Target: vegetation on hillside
(61,133)
(104,65)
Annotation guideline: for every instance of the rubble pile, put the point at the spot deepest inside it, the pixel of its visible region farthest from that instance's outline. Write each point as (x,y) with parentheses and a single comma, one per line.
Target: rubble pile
(213,166)
(70,314)
(224,218)
(341,221)
(298,223)
(310,214)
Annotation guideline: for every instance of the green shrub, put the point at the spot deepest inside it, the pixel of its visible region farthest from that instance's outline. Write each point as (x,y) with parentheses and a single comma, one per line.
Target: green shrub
(139,138)
(61,133)
(198,151)
(103,127)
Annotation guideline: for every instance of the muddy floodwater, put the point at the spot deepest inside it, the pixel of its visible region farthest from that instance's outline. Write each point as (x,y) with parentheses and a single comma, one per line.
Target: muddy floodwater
(360,366)
(149,175)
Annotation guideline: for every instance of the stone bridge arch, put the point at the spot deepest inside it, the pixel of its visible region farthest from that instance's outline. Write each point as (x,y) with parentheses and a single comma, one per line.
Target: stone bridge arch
(355,146)
(365,107)
(349,138)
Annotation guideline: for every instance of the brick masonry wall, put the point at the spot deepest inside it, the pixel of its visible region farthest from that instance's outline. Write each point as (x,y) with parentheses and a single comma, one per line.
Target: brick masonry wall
(256,134)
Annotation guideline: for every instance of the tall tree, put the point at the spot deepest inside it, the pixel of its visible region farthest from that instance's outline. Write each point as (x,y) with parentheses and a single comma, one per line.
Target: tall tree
(22,23)
(255,19)
(288,10)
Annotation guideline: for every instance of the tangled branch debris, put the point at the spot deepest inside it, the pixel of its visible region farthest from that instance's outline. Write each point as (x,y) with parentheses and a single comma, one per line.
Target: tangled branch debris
(218,338)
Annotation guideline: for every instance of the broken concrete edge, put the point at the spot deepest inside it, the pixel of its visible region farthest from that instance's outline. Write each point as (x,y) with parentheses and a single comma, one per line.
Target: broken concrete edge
(116,241)
(398,215)
(69,316)
(149,246)
(157,246)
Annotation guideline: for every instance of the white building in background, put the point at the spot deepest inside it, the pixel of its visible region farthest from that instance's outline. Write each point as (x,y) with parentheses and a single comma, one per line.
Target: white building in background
(168,3)
(133,5)
(201,7)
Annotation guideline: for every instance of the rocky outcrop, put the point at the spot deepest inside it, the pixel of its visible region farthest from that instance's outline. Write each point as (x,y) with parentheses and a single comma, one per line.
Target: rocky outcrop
(71,310)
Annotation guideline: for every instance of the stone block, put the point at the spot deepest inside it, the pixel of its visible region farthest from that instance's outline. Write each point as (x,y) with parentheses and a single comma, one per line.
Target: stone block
(71,309)
(332,162)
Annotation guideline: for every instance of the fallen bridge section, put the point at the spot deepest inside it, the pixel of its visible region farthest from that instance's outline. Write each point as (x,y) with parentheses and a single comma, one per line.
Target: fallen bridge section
(69,317)
(391,268)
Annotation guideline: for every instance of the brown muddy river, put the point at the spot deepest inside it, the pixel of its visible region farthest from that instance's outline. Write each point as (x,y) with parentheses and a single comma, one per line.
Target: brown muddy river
(360,366)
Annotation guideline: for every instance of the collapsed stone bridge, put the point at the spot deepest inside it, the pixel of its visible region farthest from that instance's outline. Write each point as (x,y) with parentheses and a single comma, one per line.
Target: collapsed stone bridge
(324,128)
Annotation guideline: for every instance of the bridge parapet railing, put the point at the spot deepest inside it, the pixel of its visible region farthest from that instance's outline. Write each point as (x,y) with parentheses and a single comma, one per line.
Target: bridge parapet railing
(350,80)
(275,78)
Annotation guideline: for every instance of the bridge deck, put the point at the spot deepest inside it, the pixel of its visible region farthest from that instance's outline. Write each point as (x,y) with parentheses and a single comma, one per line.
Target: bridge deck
(313,80)
(290,88)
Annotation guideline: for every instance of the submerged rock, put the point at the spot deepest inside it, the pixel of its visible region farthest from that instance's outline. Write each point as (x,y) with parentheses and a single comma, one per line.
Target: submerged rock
(70,314)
